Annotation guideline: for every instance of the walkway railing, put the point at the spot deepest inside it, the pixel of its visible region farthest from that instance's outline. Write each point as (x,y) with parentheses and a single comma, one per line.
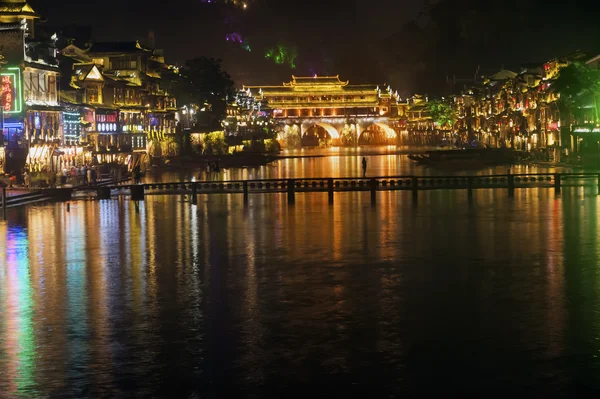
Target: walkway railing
(509,182)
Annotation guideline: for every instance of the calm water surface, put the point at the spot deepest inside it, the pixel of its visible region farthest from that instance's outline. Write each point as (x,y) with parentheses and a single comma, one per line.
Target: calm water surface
(501,297)
(337,162)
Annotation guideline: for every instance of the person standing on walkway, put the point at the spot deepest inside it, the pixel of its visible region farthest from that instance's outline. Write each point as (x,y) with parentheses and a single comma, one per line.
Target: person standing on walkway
(137,174)
(364,165)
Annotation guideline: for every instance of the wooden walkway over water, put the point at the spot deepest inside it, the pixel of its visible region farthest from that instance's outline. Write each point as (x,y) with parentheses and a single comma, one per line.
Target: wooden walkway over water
(373,185)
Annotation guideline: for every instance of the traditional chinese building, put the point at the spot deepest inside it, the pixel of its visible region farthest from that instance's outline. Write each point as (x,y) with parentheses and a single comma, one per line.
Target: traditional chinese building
(133,84)
(32,119)
(124,107)
(323,110)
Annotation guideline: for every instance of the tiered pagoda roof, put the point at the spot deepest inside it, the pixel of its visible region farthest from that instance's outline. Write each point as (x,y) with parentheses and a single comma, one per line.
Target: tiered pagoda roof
(334,90)
(316,81)
(331,85)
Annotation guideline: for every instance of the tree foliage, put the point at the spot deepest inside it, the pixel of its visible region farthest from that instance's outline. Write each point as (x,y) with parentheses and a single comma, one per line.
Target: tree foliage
(442,113)
(214,144)
(577,84)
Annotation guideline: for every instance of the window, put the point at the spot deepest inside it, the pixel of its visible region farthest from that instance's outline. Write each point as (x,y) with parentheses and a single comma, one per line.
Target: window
(119,96)
(92,95)
(131,97)
(52,87)
(125,62)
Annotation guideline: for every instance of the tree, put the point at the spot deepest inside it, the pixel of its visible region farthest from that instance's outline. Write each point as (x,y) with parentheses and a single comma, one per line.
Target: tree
(442,113)
(203,81)
(578,86)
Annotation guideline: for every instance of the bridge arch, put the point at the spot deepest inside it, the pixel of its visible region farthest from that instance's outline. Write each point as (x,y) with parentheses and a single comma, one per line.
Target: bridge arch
(390,133)
(319,133)
(332,131)
(377,134)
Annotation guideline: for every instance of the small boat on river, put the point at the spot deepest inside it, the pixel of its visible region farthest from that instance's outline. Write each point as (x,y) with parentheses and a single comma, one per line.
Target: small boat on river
(471,158)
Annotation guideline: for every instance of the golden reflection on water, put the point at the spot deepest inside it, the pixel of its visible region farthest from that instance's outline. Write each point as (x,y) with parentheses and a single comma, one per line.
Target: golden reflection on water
(217,285)
(334,163)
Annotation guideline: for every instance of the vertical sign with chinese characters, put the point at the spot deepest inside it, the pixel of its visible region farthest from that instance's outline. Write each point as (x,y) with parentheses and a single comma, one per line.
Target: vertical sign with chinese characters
(10,89)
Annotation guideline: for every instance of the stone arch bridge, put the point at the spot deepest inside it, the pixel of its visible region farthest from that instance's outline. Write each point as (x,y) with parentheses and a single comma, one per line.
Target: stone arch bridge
(343,131)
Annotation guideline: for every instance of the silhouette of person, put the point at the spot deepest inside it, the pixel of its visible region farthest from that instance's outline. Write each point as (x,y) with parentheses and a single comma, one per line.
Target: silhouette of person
(364,165)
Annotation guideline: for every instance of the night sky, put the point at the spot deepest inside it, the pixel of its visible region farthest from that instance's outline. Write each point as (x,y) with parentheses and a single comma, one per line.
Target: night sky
(366,41)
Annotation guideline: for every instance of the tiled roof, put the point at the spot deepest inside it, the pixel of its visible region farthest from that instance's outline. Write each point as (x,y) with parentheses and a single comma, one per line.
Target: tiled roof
(317,80)
(16,7)
(116,47)
(503,74)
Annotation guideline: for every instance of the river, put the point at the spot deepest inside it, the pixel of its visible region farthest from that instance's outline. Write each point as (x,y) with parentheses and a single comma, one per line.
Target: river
(336,162)
(492,298)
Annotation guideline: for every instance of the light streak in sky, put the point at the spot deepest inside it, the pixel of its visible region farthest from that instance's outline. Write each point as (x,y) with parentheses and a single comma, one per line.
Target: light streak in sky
(282,54)
(237,38)
(242,4)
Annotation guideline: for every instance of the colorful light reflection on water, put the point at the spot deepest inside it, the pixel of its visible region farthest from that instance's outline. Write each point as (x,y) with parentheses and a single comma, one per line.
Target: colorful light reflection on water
(221,300)
(18,335)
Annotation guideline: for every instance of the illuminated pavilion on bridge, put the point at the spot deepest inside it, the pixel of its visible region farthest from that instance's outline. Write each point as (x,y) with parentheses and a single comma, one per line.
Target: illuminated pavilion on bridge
(323,110)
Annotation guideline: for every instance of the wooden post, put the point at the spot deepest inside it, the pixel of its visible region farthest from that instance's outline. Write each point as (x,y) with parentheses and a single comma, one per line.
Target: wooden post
(103,193)
(415,187)
(556,183)
(511,186)
(194,196)
(470,188)
(137,192)
(291,191)
(245,187)
(330,190)
(373,191)
(4,202)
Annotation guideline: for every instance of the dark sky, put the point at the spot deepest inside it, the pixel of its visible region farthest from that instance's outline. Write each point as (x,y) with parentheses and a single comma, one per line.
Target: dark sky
(366,41)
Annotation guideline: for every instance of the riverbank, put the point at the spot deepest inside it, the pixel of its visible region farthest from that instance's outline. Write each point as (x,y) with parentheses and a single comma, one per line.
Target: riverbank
(224,161)
(248,160)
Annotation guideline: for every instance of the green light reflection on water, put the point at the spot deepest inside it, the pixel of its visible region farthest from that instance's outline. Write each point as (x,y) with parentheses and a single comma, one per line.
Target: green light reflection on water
(21,301)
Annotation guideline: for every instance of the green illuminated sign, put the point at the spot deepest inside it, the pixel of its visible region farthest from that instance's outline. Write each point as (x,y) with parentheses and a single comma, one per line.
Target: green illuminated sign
(10,86)
(583,129)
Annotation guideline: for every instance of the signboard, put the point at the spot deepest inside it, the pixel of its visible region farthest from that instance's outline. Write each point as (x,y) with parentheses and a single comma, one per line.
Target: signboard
(106,121)
(585,129)
(10,89)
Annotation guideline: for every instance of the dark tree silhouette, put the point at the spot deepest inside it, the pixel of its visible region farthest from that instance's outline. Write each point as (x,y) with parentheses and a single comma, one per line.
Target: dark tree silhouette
(203,81)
